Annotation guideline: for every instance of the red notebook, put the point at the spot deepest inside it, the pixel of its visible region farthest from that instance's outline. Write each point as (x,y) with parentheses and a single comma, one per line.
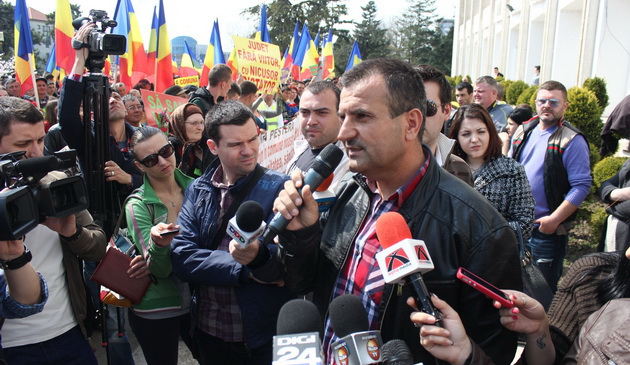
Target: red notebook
(111,272)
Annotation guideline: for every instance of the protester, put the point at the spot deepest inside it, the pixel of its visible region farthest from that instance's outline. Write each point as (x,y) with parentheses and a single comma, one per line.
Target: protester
(176,90)
(186,135)
(486,94)
(320,126)
(517,117)
(615,192)
(269,104)
(382,108)
(556,159)
(235,313)
(163,315)
(464,93)
(51,89)
(42,92)
(135,110)
(50,116)
(234,93)
(498,178)
(120,88)
(290,108)
(56,335)
(219,82)
(13,87)
(249,96)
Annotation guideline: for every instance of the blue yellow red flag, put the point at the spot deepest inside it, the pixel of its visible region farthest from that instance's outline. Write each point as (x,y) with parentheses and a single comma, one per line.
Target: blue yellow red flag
(23,43)
(164,69)
(355,56)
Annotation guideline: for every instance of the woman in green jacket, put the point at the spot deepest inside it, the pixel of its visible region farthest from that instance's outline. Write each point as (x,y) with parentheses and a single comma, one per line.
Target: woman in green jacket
(163,315)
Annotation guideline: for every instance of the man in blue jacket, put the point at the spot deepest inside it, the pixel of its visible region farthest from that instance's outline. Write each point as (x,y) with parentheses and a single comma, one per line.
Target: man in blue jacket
(235,312)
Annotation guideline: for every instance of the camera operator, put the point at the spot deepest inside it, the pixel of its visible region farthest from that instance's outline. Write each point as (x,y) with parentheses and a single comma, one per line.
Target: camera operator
(56,335)
(120,168)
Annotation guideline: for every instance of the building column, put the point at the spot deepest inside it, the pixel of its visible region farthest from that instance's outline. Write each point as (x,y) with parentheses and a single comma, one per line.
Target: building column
(549,40)
(590,16)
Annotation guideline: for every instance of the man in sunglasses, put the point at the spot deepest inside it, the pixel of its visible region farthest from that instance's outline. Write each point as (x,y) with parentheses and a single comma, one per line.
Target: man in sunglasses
(556,159)
(439,94)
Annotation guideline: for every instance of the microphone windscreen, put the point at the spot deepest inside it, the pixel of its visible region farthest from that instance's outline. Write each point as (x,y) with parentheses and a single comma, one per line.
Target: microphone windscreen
(299,316)
(326,183)
(327,160)
(37,164)
(391,228)
(347,315)
(396,352)
(249,216)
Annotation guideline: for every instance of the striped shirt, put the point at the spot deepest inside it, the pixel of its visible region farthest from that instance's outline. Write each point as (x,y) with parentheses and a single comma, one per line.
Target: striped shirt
(361,275)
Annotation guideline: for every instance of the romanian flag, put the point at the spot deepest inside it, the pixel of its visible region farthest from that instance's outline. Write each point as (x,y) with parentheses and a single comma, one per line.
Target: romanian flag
(51,65)
(288,68)
(214,54)
(355,56)
(63,36)
(164,69)
(327,60)
(233,64)
(263,32)
(306,56)
(24,60)
(133,64)
(187,66)
(152,48)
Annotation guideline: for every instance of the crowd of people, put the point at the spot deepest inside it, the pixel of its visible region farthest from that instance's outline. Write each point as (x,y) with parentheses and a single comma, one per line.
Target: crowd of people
(470,178)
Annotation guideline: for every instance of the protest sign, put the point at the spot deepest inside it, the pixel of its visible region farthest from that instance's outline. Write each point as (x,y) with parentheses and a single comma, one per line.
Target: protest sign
(158,107)
(276,146)
(258,62)
(188,80)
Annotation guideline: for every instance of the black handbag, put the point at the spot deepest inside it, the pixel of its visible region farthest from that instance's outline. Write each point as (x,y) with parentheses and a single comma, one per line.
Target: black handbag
(534,283)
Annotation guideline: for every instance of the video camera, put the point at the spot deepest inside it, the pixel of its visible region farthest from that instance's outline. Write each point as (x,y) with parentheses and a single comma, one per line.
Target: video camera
(99,43)
(29,202)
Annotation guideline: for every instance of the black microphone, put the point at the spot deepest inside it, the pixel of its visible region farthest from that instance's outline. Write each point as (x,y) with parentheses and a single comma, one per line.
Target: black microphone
(396,352)
(324,165)
(357,345)
(247,224)
(299,331)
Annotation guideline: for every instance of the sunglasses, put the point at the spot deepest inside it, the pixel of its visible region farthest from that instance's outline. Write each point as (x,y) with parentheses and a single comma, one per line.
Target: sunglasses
(553,102)
(152,159)
(432,108)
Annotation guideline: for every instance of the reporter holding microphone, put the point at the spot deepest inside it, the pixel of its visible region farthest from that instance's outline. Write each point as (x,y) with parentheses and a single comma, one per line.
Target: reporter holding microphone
(382,107)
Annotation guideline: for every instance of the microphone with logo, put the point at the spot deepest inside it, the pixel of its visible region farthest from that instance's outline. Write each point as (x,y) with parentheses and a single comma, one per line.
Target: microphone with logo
(404,259)
(324,165)
(324,197)
(357,345)
(247,224)
(299,331)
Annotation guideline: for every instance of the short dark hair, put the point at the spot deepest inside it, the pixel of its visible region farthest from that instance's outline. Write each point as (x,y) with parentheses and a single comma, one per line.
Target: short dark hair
(476,111)
(465,85)
(218,73)
(140,135)
(488,80)
(248,88)
(235,89)
(430,73)
(520,115)
(537,68)
(319,87)
(17,110)
(405,89)
(227,112)
(554,85)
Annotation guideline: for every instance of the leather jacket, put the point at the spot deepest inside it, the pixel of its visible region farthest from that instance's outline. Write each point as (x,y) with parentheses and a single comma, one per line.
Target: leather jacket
(459,227)
(604,337)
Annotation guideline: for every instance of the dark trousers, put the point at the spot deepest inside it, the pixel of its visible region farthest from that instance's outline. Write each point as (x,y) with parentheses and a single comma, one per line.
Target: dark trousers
(159,338)
(213,351)
(68,349)
(549,251)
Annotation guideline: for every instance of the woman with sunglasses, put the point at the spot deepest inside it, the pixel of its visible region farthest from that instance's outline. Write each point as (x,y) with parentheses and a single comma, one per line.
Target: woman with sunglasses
(499,178)
(163,315)
(186,135)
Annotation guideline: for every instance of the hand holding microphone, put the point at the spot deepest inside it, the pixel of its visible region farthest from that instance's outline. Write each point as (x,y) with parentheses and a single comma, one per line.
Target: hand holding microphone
(245,228)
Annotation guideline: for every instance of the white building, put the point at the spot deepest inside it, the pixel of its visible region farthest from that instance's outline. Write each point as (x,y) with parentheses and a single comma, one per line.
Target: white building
(571,40)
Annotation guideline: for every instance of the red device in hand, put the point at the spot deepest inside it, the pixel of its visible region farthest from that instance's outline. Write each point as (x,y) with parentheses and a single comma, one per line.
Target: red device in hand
(484,287)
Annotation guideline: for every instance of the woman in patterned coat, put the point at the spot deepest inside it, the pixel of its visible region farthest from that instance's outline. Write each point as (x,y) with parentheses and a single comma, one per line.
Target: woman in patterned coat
(500,179)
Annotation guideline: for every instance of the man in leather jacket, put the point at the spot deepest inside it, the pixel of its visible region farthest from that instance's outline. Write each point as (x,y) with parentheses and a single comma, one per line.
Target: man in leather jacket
(334,254)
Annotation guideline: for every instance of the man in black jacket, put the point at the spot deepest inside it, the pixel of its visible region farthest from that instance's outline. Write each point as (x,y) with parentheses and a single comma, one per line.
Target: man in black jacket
(382,131)
(219,82)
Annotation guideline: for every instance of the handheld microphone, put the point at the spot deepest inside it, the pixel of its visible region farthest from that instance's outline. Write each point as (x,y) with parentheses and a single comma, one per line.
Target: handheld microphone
(247,224)
(324,197)
(299,331)
(324,165)
(396,352)
(357,345)
(404,259)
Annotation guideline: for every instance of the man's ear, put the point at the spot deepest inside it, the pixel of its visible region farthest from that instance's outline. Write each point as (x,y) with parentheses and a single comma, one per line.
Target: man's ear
(414,120)
(213,146)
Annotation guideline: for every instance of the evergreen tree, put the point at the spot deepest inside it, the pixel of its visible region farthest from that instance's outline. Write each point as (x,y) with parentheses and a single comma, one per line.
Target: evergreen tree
(370,34)
(417,29)
(6,27)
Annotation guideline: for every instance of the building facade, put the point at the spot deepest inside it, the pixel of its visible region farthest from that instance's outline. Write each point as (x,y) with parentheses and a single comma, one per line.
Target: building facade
(571,40)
